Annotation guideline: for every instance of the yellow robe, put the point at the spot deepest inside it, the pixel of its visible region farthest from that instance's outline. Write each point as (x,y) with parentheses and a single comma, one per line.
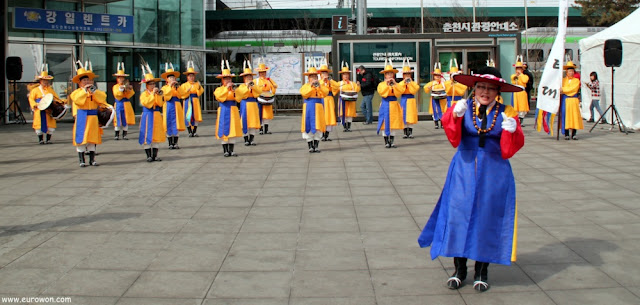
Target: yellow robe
(253,112)
(411,112)
(435,86)
(169,93)
(454,91)
(349,106)
(268,85)
(308,91)
(86,101)
(572,115)
(395,111)
(520,102)
(223,94)
(330,103)
(150,101)
(128,109)
(184,91)
(35,94)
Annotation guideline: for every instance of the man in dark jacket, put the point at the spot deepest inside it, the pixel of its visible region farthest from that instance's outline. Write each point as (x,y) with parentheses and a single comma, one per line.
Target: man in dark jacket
(529,85)
(367,88)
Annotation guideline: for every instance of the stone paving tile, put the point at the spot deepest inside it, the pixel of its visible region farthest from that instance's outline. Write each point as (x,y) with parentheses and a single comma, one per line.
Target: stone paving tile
(157,301)
(102,283)
(171,284)
(355,283)
(251,285)
(594,296)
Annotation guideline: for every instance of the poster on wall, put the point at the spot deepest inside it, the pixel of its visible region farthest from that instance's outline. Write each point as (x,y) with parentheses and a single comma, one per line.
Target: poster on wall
(284,69)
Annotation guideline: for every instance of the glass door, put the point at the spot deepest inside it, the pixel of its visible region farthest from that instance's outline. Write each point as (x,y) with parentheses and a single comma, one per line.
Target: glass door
(477,59)
(469,60)
(61,66)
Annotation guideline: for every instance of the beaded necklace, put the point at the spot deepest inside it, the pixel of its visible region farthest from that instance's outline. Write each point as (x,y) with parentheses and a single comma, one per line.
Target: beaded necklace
(475,124)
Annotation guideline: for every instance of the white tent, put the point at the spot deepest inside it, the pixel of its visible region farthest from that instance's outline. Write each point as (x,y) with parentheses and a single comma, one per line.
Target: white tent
(626,77)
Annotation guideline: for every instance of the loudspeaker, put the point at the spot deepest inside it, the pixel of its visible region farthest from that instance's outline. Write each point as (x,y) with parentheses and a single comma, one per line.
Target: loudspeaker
(14,68)
(613,53)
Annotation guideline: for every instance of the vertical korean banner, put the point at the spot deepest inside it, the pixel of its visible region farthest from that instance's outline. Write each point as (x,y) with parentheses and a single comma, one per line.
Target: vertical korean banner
(551,80)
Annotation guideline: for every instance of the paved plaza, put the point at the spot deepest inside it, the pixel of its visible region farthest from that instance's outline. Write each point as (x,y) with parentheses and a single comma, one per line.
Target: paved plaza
(278,225)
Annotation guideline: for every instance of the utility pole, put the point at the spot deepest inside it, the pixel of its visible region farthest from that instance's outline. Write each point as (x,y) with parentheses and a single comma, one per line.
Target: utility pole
(362,17)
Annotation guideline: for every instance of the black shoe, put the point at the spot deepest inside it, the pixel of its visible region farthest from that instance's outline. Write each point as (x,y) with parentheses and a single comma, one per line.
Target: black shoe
(406,133)
(155,155)
(48,139)
(170,139)
(148,152)
(310,144)
(81,157)
(386,142)
(348,126)
(391,142)
(190,131)
(410,133)
(251,137)
(436,122)
(326,137)
(225,147)
(92,158)
(261,129)
(266,129)
(460,273)
(124,135)
(117,136)
(41,139)
(316,144)
(195,134)
(246,141)
(231,153)
(480,278)
(175,143)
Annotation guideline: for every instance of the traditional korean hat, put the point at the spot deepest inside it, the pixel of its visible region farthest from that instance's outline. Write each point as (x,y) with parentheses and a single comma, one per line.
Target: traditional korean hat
(519,62)
(437,69)
(453,66)
(388,67)
(84,70)
(246,67)
(191,68)
(44,73)
(226,72)
(120,69)
(148,74)
(169,70)
(311,70)
(324,67)
(491,63)
(405,66)
(487,75)
(261,66)
(345,68)
(570,64)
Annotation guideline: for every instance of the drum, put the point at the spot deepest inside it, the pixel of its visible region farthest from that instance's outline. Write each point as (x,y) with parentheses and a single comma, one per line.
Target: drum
(438,94)
(105,116)
(266,98)
(58,110)
(349,96)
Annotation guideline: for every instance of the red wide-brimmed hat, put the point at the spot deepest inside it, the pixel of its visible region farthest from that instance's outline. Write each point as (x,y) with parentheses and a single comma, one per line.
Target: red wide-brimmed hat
(487,75)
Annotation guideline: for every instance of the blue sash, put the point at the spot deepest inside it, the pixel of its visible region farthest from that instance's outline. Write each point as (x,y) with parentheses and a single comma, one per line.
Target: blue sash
(81,123)
(310,114)
(224,124)
(403,104)
(243,112)
(120,116)
(146,125)
(172,120)
(452,98)
(384,115)
(43,119)
(437,110)
(189,117)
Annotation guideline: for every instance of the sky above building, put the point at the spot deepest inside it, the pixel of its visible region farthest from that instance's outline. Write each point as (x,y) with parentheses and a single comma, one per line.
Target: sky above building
(288,4)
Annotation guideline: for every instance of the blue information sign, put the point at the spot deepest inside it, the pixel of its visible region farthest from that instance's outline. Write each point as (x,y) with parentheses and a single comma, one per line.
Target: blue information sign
(42,19)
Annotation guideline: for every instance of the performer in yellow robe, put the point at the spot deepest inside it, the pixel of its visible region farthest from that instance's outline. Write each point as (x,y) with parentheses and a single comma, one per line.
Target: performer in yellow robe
(247,95)
(438,105)
(267,86)
(347,108)
(228,123)
(190,92)
(570,103)
(313,125)
(329,101)
(124,112)
(151,127)
(172,113)
(519,100)
(408,100)
(86,130)
(390,113)
(455,91)
(43,123)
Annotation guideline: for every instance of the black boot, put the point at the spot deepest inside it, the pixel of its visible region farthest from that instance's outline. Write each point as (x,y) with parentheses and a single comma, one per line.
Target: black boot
(231,153)
(246,141)
(41,139)
(175,143)
(349,126)
(310,144)
(190,132)
(251,137)
(124,135)
(92,158)
(406,133)
(323,138)
(566,134)
(460,273)
(391,142)
(266,129)
(480,278)
(410,133)
(522,122)
(117,136)
(436,122)
(225,147)
(81,157)
(386,142)
(261,129)
(344,126)
(573,134)
(148,152)
(48,139)
(316,144)
(195,129)
(170,139)
(155,155)
(326,136)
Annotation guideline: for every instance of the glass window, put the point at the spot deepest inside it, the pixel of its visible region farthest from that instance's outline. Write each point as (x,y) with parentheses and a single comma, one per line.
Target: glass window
(145,19)
(98,57)
(568,52)
(425,62)
(191,24)
(198,62)
(60,36)
(150,56)
(374,52)
(344,54)
(169,56)
(125,55)
(123,7)
(169,23)
(536,55)
(97,38)
(30,35)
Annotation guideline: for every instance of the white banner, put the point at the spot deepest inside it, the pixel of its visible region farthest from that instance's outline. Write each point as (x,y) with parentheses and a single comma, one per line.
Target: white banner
(551,80)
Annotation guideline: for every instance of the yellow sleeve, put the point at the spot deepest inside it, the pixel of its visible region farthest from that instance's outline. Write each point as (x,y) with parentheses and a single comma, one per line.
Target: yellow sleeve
(448,88)
(460,89)
(570,88)
(413,87)
(335,87)
(32,98)
(322,91)
(242,92)
(199,90)
(79,96)
(274,85)
(147,100)
(183,91)
(168,92)
(306,91)
(383,89)
(129,93)
(398,90)
(509,111)
(100,97)
(257,90)
(221,93)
